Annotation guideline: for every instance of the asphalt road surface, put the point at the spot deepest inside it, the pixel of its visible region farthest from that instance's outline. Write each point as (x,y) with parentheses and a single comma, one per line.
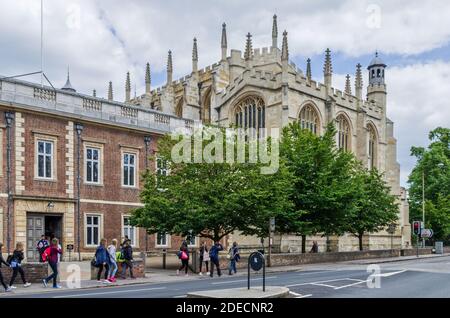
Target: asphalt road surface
(405,279)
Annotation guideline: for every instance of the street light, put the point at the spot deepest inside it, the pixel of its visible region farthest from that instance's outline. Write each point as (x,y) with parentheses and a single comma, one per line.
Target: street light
(9,118)
(79,129)
(147,140)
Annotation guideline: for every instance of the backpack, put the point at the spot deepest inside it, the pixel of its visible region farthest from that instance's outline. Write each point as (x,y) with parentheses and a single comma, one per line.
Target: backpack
(119,257)
(46,254)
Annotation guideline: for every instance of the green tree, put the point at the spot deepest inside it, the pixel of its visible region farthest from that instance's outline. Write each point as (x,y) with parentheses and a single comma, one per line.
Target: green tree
(372,206)
(321,180)
(433,165)
(211,199)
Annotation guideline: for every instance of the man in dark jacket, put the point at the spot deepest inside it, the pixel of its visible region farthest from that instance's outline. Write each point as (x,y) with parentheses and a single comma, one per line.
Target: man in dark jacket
(214,256)
(127,252)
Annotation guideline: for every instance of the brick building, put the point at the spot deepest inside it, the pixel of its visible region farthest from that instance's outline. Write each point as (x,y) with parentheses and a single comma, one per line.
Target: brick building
(43,132)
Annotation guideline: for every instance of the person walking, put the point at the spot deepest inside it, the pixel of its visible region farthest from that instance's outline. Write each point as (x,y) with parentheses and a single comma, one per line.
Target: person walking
(234,257)
(214,256)
(52,256)
(102,261)
(2,261)
(183,255)
(127,252)
(204,257)
(112,261)
(41,245)
(16,264)
(314,248)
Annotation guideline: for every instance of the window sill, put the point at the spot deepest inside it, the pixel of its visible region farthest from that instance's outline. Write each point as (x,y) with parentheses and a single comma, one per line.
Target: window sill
(45,180)
(93,184)
(129,187)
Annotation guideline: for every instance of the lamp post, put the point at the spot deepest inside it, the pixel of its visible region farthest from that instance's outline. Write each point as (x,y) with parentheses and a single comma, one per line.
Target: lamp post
(79,128)
(147,140)
(9,118)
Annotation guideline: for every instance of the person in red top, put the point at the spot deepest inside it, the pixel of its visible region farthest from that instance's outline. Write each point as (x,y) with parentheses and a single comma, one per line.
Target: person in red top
(51,254)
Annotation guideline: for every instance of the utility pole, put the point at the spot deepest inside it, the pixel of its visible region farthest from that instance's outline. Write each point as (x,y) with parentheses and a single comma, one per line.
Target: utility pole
(423,202)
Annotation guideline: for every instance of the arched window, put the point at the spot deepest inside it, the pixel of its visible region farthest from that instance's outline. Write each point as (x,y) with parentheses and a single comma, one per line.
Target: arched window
(206,114)
(343,132)
(309,119)
(372,147)
(250,113)
(179,108)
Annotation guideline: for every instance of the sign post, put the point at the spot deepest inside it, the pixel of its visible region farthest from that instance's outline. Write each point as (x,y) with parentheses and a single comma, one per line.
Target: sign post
(69,247)
(256,261)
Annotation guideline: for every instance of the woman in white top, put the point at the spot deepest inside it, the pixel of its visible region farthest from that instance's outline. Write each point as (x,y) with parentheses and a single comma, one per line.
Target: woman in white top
(113,263)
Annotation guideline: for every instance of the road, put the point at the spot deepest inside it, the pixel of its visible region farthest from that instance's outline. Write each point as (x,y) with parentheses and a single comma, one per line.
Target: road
(405,279)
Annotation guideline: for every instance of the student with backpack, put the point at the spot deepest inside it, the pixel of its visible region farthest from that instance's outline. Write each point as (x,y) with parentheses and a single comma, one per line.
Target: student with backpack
(2,261)
(204,257)
(16,264)
(113,262)
(214,256)
(102,260)
(183,255)
(51,254)
(41,246)
(127,254)
(234,257)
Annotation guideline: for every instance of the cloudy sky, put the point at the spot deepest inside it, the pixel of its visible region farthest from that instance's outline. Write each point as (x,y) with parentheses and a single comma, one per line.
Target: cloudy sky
(103,39)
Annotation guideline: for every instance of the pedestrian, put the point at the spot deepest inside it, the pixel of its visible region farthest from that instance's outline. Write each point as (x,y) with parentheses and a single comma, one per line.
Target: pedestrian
(183,255)
(102,261)
(214,257)
(204,257)
(234,257)
(2,261)
(314,248)
(112,261)
(127,252)
(41,245)
(52,256)
(16,264)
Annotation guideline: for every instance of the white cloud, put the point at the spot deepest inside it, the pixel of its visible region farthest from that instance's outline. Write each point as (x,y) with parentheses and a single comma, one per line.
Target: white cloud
(101,40)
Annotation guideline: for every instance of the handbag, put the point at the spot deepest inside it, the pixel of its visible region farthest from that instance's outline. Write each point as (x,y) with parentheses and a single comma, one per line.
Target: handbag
(94,262)
(184,255)
(205,256)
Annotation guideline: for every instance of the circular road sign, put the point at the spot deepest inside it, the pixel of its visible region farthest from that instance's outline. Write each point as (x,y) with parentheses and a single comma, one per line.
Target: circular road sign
(256,261)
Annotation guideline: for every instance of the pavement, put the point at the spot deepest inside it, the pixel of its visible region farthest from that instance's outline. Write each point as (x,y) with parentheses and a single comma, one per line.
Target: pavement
(390,277)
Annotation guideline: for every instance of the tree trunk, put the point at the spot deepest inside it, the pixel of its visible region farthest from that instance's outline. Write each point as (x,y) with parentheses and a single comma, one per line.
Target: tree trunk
(303,243)
(360,239)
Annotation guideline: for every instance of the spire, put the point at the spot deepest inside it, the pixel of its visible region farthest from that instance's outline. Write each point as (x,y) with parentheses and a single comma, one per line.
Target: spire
(224,42)
(169,68)
(348,88)
(358,82)
(248,47)
(308,69)
(127,88)
(94,93)
(110,91)
(68,86)
(327,69)
(148,79)
(274,32)
(194,56)
(284,48)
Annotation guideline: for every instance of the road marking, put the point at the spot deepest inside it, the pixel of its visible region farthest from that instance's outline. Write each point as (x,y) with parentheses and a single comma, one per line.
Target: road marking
(304,296)
(110,292)
(349,285)
(242,280)
(389,274)
(321,282)
(180,296)
(297,295)
(324,285)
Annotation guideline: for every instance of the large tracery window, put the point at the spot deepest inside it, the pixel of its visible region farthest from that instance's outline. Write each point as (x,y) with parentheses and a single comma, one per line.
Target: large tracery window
(372,148)
(250,113)
(343,132)
(309,119)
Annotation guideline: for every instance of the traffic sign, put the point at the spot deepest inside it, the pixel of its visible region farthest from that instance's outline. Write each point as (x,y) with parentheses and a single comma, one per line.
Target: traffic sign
(256,261)
(272,224)
(427,233)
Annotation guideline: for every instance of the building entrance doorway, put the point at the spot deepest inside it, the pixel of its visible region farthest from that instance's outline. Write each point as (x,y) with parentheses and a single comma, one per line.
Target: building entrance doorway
(38,225)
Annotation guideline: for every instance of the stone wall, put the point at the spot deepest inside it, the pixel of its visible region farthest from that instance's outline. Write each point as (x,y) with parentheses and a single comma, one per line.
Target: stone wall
(138,270)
